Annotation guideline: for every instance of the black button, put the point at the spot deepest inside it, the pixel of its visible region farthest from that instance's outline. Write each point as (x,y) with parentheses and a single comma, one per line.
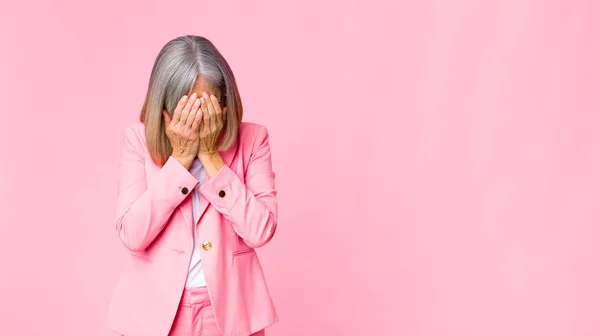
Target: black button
(221,194)
(184,190)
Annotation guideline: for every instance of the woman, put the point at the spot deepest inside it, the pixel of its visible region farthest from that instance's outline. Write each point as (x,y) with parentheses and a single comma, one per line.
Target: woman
(196,196)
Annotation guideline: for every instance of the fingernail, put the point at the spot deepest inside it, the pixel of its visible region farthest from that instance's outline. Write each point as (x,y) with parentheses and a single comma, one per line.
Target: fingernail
(194,95)
(185,96)
(197,101)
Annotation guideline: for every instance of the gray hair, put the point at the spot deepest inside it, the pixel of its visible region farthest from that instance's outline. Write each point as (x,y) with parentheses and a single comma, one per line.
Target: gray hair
(176,68)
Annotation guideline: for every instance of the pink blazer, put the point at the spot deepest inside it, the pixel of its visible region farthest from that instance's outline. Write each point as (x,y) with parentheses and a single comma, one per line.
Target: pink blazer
(154,222)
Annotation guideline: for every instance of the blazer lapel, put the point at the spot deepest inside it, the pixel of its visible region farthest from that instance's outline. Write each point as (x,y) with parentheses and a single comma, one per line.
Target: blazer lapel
(186,210)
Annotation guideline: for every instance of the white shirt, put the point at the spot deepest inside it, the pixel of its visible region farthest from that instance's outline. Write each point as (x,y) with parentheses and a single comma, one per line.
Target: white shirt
(195,276)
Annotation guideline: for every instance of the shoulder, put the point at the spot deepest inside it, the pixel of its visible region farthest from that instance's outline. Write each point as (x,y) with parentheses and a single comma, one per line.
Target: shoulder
(253,134)
(135,135)
(136,128)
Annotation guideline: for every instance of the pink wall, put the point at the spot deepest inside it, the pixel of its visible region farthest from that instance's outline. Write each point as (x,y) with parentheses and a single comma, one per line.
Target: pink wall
(438,161)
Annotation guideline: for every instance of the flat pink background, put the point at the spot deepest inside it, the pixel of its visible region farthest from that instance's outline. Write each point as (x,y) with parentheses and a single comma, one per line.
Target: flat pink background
(438,161)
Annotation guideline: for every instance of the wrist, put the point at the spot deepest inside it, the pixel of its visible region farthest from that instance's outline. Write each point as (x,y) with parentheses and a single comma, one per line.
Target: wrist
(208,156)
(211,162)
(185,161)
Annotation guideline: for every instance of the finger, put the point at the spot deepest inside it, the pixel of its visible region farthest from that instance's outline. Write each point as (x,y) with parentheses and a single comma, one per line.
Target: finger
(209,104)
(206,114)
(167,118)
(186,110)
(218,112)
(216,104)
(211,115)
(192,115)
(211,111)
(197,120)
(178,108)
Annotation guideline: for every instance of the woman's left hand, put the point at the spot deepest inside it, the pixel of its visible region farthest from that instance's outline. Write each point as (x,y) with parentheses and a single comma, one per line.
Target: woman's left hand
(213,120)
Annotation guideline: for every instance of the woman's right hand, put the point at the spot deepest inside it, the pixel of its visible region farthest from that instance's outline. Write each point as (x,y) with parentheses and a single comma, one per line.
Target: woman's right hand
(183,129)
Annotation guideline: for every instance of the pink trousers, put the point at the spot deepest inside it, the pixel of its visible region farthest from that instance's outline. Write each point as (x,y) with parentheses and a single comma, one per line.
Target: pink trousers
(195,316)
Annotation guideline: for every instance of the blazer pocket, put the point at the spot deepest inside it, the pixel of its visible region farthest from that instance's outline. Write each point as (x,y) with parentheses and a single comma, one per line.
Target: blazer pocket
(142,258)
(243,252)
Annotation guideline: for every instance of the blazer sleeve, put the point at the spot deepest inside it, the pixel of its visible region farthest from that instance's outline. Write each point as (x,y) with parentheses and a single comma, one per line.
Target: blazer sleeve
(250,205)
(143,209)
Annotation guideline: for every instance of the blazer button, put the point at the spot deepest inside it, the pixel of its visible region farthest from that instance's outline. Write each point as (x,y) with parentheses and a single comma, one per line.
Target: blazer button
(221,193)
(207,246)
(184,190)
